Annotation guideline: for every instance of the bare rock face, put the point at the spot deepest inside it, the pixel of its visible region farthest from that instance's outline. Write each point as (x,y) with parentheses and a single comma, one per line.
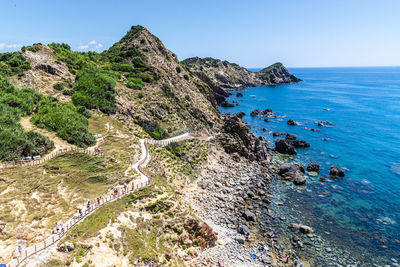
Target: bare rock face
(174,98)
(224,76)
(238,138)
(46,71)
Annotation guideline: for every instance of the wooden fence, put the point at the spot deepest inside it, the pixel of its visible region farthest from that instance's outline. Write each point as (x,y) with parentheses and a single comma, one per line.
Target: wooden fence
(21,163)
(106,198)
(54,238)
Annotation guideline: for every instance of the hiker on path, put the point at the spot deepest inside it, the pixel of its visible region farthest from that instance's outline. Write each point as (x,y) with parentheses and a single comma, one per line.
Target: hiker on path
(125,187)
(88,205)
(98,201)
(57,227)
(80,213)
(20,250)
(62,228)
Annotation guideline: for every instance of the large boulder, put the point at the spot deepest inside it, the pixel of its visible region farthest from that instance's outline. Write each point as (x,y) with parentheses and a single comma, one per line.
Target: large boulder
(289,168)
(237,137)
(293,172)
(313,167)
(226,104)
(267,112)
(239,94)
(240,114)
(249,216)
(285,147)
(300,143)
(291,122)
(278,134)
(294,142)
(336,172)
(302,228)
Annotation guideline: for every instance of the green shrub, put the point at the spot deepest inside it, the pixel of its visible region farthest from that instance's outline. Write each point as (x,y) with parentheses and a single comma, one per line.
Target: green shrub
(14,141)
(122,67)
(186,77)
(13,63)
(178,69)
(134,83)
(68,92)
(142,75)
(58,86)
(82,110)
(65,120)
(94,89)
(33,48)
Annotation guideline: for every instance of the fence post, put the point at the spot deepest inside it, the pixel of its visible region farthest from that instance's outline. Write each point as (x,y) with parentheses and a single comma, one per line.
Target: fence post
(35,250)
(44,243)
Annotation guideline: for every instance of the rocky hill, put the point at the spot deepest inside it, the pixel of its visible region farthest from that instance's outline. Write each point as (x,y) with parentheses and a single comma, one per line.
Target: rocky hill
(230,76)
(135,89)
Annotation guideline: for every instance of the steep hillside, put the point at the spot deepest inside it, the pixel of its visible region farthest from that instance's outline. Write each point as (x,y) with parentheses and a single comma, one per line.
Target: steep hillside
(135,89)
(174,99)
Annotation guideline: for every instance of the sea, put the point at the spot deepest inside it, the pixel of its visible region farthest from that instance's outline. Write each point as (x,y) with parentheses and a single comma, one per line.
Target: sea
(356,218)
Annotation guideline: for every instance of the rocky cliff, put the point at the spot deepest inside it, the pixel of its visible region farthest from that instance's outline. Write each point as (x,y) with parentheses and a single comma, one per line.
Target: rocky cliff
(230,76)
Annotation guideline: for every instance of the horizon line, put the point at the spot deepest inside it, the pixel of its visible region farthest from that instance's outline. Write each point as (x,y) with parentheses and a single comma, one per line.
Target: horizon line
(327,67)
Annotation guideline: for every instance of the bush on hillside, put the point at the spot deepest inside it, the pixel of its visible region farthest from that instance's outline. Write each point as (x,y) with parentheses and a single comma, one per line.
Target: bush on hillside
(94,89)
(134,83)
(13,63)
(15,143)
(65,120)
(58,86)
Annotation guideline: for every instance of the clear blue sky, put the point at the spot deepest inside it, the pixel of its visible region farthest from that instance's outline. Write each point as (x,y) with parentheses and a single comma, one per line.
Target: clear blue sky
(299,33)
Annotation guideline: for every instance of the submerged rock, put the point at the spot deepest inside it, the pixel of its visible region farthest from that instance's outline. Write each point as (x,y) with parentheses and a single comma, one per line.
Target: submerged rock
(239,94)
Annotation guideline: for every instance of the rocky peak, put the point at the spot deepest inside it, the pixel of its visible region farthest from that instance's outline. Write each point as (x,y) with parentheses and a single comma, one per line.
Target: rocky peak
(276,74)
(146,44)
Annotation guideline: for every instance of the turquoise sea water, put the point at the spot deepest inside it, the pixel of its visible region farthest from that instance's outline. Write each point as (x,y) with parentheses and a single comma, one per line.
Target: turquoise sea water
(359,213)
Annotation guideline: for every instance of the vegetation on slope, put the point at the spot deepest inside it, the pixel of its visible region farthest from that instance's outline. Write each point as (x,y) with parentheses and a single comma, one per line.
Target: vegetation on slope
(65,120)
(14,141)
(94,89)
(97,74)
(13,63)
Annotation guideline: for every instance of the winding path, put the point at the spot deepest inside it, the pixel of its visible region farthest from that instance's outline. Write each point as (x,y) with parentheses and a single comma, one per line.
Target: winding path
(109,196)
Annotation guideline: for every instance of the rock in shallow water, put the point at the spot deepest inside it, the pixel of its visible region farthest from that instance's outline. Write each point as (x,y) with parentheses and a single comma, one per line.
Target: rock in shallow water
(336,172)
(313,167)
